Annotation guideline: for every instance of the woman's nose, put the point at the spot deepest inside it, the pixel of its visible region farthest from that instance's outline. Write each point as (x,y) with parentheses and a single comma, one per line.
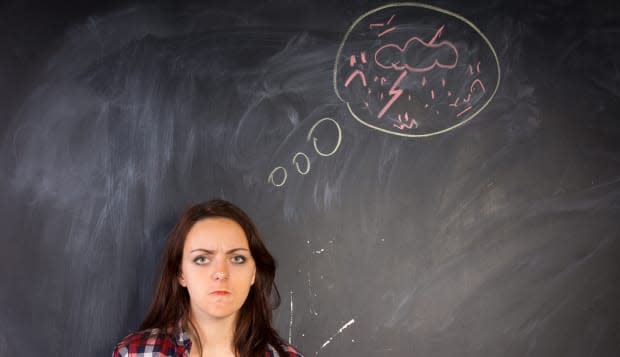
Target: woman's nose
(221,270)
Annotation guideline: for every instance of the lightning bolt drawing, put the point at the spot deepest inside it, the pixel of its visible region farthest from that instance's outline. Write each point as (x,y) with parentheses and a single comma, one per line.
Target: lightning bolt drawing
(395,93)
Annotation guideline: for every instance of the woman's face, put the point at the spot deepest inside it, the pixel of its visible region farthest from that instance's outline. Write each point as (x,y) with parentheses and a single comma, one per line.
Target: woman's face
(217,268)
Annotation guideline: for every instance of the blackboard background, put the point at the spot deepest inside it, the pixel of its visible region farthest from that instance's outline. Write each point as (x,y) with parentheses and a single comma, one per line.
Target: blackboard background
(498,238)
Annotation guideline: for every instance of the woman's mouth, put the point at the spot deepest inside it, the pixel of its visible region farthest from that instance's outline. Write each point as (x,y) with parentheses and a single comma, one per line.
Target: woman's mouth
(220,293)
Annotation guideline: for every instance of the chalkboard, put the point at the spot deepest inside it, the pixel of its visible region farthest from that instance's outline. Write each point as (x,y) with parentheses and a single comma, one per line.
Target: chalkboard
(434,179)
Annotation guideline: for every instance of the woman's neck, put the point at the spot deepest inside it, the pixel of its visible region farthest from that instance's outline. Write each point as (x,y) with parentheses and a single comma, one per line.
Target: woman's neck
(216,335)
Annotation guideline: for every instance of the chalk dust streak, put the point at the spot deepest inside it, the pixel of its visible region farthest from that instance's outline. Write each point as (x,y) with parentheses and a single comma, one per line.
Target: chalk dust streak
(290,324)
(351,322)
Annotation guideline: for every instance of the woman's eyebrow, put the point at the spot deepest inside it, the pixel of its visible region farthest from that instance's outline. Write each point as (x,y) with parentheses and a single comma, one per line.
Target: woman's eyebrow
(202,250)
(213,252)
(236,250)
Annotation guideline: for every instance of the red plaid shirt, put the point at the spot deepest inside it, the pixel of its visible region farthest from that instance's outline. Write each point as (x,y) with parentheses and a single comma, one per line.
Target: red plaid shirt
(171,343)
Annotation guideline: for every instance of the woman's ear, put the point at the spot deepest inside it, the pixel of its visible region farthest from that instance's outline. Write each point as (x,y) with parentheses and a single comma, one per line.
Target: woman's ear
(181,280)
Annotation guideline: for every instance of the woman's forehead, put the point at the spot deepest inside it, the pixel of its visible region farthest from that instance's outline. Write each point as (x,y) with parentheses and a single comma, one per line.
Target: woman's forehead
(216,233)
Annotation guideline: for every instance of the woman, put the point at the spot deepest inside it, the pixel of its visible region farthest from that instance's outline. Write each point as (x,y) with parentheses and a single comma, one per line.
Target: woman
(214,290)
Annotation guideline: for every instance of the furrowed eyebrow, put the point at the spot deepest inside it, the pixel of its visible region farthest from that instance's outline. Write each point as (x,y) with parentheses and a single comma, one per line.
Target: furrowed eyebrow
(236,250)
(202,250)
(213,252)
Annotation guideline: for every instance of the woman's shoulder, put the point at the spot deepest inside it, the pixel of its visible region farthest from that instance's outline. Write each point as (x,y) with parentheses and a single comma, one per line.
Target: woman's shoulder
(290,350)
(147,342)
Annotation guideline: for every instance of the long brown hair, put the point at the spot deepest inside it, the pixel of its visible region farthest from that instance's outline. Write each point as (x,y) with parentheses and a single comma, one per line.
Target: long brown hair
(253,330)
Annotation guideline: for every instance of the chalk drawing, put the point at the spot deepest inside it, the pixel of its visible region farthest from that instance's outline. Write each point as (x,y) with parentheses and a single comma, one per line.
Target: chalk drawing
(290,323)
(435,67)
(351,322)
(301,161)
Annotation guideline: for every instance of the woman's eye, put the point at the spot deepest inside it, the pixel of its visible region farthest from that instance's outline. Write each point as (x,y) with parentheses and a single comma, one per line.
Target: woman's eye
(201,260)
(238,259)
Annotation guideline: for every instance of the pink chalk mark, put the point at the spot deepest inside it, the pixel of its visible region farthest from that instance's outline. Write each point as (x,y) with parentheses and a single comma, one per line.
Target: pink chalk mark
(381,95)
(363,55)
(433,94)
(355,73)
(369,91)
(456,102)
(423,81)
(425,105)
(443,82)
(391,18)
(383,80)
(470,69)
(467,99)
(376,78)
(411,124)
(478,67)
(410,98)
(376,25)
(387,31)
(352,60)
(449,94)
(464,111)
(406,116)
(366,104)
(437,34)
(478,82)
(436,63)
(430,44)
(394,92)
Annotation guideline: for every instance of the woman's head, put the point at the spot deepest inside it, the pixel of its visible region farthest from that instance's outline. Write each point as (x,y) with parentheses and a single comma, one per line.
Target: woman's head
(220,234)
(217,269)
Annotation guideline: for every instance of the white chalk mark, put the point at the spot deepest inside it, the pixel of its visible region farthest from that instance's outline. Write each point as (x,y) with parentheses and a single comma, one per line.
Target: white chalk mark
(351,322)
(311,294)
(290,323)
(272,180)
(297,166)
(314,139)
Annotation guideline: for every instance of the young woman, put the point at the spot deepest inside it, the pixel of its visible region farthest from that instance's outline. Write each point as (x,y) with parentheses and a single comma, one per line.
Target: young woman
(214,290)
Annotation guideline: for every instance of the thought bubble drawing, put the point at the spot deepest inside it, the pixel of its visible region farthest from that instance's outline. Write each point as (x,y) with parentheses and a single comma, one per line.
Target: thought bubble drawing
(415,70)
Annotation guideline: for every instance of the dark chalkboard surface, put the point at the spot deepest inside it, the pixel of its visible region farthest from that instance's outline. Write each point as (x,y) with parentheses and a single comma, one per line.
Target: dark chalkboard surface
(438,179)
